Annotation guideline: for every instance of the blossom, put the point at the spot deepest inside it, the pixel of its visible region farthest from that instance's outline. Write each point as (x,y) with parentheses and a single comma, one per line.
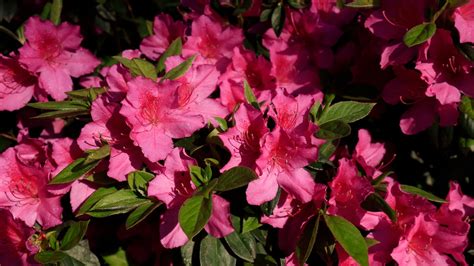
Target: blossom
(165,31)
(213,41)
(15,246)
(17,85)
(54,53)
(24,191)
(152,110)
(464,21)
(174,186)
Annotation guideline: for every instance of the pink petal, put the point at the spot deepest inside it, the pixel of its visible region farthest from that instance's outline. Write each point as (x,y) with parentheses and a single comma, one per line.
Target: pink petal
(219,225)
(56,82)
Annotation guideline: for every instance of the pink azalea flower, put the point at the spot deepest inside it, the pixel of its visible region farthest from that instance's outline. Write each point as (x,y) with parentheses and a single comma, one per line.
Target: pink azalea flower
(458,201)
(445,69)
(464,22)
(153,112)
(109,126)
(246,66)
(348,191)
(54,53)
(427,102)
(17,85)
(428,243)
(15,246)
(368,154)
(243,140)
(24,191)
(331,13)
(391,22)
(213,41)
(194,89)
(174,186)
(165,31)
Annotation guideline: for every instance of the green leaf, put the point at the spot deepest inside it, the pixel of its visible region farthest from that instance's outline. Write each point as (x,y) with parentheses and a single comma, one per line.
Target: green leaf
(138,67)
(222,123)
(335,129)
(180,69)
(298,4)
(243,245)
(175,48)
(94,198)
(9,33)
(74,234)
(194,214)
(97,154)
(419,34)
(187,253)
(80,255)
(250,223)
(278,19)
(349,237)
(75,105)
(74,171)
(363,4)
(467,50)
(8,9)
(140,213)
(422,193)
(46,11)
(305,245)
(265,15)
(121,201)
(213,253)
(196,175)
(375,202)
(347,111)
(50,256)
(326,150)
(86,94)
(380,178)
(61,114)
(138,181)
(119,258)
(56,8)
(250,96)
(371,242)
(235,177)
(467,106)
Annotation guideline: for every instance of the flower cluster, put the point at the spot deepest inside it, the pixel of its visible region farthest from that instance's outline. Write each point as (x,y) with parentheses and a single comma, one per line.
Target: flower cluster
(241,128)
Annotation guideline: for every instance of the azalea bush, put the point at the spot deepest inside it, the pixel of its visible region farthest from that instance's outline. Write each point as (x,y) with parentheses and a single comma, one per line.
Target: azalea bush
(237,132)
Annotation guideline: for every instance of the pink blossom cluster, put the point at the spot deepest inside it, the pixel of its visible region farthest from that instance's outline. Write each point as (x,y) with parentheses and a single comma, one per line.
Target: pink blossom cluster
(141,119)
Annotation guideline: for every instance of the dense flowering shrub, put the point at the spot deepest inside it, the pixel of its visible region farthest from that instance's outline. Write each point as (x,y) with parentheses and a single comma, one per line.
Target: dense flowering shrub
(237,132)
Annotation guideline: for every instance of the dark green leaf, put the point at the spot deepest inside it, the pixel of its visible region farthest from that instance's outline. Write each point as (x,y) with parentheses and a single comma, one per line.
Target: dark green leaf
(349,237)
(250,223)
(194,214)
(419,34)
(138,181)
(298,4)
(74,234)
(50,256)
(265,15)
(56,8)
(61,114)
(213,253)
(380,178)
(46,11)
(180,69)
(97,154)
(305,244)
(76,105)
(422,193)
(250,96)
(9,33)
(278,19)
(140,213)
(119,258)
(196,175)
(8,9)
(347,111)
(222,123)
(235,177)
(86,94)
(375,202)
(187,253)
(138,67)
(326,150)
(175,48)
(81,255)
(467,106)
(74,171)
(467,49)
(371,242)
(243,245)
(335,129)
(457,3)
(363,3)
(118,202)
(94,198)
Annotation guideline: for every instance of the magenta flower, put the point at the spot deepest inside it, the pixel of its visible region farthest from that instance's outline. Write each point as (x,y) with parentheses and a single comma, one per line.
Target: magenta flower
(173,186)
(464,22)
(165,31)
(213,41)
(54,53)
(24,191)
(154,114)
(17,85)
(15,245)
